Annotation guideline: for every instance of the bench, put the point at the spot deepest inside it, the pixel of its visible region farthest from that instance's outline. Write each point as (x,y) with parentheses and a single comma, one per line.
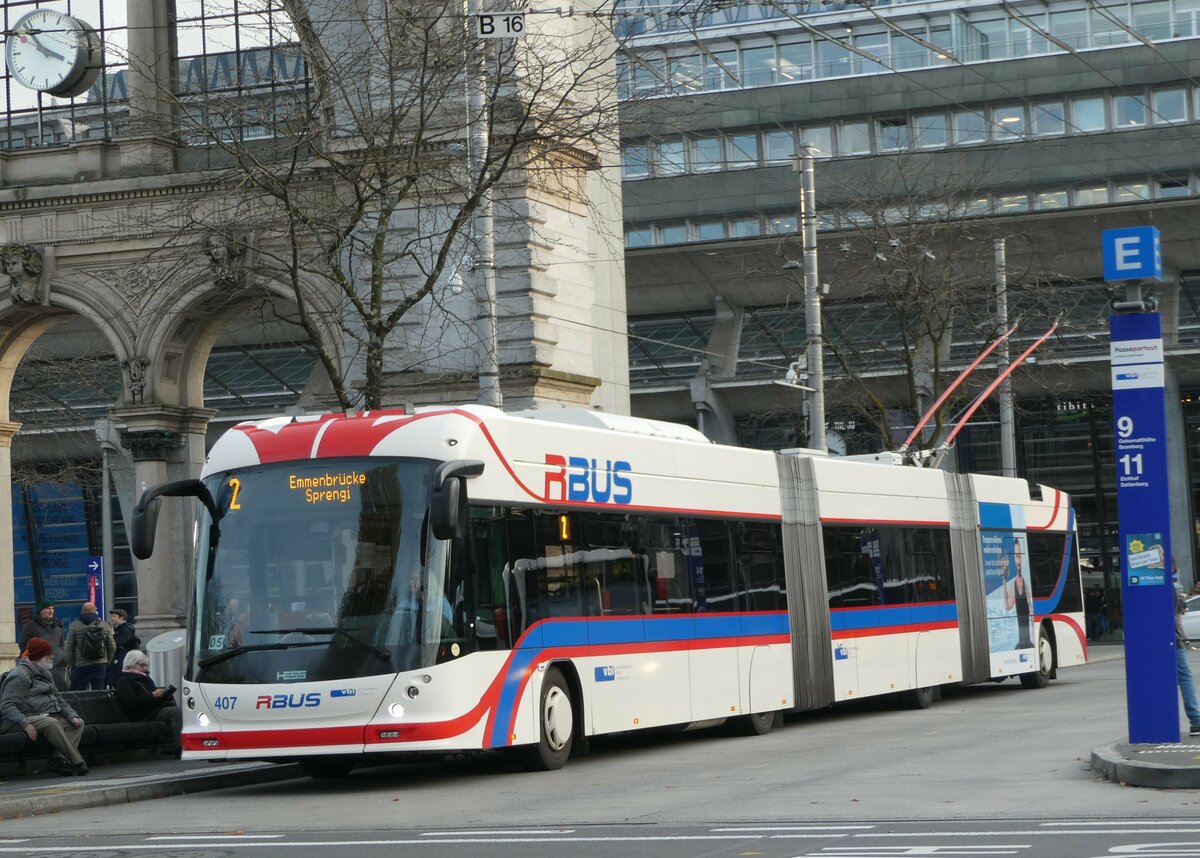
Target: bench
(108,736)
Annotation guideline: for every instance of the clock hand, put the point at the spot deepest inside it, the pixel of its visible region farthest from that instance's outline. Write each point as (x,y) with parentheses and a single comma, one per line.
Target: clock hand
(43,49)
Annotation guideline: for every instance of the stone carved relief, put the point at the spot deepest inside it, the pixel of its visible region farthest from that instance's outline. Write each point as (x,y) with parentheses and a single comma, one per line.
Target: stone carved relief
(135,375)
(147,445)
(135,286)
(228,253)
(23,272)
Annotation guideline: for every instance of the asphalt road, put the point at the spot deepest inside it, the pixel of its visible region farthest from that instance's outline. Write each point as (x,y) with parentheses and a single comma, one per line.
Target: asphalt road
(989,770)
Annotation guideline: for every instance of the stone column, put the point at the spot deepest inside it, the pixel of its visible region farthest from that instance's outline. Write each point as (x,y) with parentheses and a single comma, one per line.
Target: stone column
(166,443)
(8,628)
(153,81)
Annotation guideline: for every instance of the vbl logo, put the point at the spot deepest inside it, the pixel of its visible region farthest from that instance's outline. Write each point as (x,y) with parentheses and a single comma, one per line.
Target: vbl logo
(288,701)
(606,674)
(580,479)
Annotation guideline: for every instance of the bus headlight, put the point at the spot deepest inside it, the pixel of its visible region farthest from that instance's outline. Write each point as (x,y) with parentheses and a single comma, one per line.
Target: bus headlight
(396,711)
(413,691)
(202,719)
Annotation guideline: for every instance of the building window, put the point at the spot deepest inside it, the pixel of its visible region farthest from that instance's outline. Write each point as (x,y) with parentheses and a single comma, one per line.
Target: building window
(1129,111)
(710,230)
(908,54)
(1008,122)
(1070,26)
(1048,118)
(780,146)
(669,159)
(758,66)
(638,237)
(1132,193)
(1012,203)
(1095,195)
(820,138)
(782,224)
(855,139)
(745,227)
(1052,200)
(969,127)
(875,44)
(929,131)
(635,162)
(1170,105)
(676,233)
(892,134)
(716,77)
(833,60)
(795,61)
(743,149)
(687,74)
(1087,114)
(1152,20)
(1172,188)
(706,153)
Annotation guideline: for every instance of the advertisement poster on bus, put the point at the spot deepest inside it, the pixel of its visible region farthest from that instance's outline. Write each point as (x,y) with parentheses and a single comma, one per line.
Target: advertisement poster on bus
(1009,597)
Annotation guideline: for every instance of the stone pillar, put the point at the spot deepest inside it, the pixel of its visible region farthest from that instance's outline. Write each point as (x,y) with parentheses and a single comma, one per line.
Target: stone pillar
(166,443)
(153,81)
(8,627)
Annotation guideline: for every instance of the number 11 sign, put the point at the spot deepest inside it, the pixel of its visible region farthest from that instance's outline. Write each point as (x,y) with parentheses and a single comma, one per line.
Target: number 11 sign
(1147,594)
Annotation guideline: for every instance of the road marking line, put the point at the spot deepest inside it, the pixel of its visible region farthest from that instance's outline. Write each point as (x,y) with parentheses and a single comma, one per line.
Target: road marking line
(286,844)
(798,828)
(499,832)
(1129,822)
(212,836)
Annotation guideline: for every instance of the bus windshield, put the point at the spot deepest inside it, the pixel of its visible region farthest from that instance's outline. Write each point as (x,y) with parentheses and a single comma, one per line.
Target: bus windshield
(323,570)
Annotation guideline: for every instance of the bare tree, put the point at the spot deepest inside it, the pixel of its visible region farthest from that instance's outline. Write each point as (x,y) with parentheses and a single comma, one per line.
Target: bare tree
(919,266)
(358,186)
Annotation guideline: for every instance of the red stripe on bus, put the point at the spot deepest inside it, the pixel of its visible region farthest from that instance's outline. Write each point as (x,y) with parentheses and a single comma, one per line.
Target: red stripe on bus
(895,630)
(884,521)
(278,737)
(1053,514)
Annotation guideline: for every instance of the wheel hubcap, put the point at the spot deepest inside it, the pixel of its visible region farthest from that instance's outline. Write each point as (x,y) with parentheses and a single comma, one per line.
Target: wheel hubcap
(1044,654)
(557,719)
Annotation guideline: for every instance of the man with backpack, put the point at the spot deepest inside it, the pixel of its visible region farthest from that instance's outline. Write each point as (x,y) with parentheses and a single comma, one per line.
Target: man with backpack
(90,647)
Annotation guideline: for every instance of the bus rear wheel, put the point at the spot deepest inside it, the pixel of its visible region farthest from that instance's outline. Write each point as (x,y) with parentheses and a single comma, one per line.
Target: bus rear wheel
(1040,678)
(918,698)
(326,767)
(556,723)
(755,724)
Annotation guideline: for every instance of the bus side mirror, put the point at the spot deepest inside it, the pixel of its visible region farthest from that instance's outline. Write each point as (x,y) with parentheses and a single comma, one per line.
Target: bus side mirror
(144,523)
(143,527)
(447,494)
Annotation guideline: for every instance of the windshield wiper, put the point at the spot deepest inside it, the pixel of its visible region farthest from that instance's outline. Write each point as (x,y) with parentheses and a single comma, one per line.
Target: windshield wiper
(329,630)
(238,650)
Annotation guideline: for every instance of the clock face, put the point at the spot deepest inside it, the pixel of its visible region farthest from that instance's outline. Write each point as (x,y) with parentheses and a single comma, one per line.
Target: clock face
(52,52)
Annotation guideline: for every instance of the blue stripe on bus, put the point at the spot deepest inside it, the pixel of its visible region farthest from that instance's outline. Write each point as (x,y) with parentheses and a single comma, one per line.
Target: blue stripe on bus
(614,630)
(857,619)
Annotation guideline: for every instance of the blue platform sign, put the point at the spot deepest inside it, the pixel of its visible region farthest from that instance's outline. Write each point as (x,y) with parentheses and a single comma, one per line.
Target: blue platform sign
(1132,253)
(1147,593)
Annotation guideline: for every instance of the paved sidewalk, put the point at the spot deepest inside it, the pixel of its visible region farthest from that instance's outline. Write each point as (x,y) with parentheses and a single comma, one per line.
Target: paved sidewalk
(119,783)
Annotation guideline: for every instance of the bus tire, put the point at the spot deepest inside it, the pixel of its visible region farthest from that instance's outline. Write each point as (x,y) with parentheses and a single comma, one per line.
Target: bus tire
(918,698)
(556,726)
(1040,678)
(755,724)
(326,767)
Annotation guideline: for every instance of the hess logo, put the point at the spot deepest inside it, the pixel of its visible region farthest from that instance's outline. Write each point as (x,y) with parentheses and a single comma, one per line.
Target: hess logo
(288,701)
(575,478)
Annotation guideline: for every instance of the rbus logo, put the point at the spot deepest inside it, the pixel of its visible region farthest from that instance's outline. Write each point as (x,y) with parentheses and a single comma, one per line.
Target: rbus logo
(288,701)
(579,479)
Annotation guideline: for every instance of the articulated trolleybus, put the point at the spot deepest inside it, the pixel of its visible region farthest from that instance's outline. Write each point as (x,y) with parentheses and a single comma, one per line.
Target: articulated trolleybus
(461,578)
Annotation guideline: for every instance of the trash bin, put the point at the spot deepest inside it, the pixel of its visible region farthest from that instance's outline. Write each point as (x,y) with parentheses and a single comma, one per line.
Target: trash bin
(166,652)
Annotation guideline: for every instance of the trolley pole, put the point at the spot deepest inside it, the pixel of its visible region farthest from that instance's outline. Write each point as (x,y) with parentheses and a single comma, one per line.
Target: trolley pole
(1008,441)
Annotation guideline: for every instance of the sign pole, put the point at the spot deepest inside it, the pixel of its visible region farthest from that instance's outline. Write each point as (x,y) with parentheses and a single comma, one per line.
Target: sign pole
(1143,498)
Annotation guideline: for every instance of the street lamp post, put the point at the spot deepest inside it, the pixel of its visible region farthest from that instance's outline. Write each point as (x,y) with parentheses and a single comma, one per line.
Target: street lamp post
(815,348)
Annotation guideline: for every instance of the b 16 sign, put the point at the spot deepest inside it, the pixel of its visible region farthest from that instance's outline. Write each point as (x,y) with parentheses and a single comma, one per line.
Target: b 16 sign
(500,25)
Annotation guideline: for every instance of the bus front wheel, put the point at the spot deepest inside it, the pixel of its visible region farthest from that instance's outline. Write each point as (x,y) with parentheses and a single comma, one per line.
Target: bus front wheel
(556,722)
(1040,678)
(755,724)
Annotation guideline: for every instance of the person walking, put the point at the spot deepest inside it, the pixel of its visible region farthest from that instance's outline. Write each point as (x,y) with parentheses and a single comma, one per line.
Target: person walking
(126,639)
(1187,685)
(142,699)
(49,628)
(90,647)
(30,703)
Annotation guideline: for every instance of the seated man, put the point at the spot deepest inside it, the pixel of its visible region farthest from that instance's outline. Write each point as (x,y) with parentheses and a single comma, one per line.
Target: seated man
(142,699)
(30,702)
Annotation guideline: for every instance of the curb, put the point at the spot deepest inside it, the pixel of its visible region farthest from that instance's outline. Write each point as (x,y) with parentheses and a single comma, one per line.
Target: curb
(79,795)
(1110,765)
